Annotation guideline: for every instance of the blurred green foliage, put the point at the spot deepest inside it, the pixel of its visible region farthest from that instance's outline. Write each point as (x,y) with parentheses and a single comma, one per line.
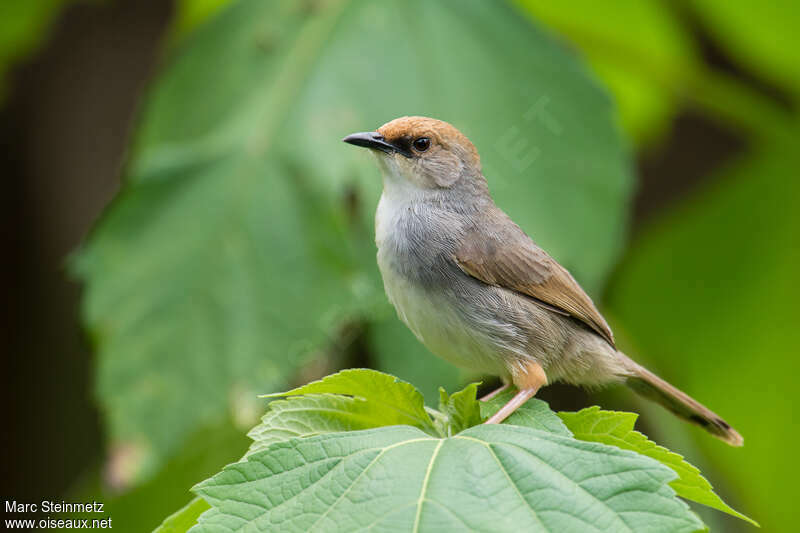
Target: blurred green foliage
(760,37)
(143,507)
(23,25)
(182,273)
(617,44)
(709,293)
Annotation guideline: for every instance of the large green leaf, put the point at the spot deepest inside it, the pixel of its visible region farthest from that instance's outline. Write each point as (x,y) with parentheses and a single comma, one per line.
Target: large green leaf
(400,479)
(616,429)
(242,238)
(318,413)
(375,399)
(710,293)
(346,401)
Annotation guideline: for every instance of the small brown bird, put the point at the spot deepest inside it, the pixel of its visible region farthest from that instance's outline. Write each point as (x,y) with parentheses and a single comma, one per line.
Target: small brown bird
(477,291)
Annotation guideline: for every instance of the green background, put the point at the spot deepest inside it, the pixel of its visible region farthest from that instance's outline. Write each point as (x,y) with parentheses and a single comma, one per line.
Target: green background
(662,172)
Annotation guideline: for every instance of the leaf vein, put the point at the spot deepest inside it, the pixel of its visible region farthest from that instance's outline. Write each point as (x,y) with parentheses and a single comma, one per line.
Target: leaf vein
(425,485)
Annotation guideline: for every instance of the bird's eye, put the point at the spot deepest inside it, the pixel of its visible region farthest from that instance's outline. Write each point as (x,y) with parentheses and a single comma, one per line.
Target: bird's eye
(422,143)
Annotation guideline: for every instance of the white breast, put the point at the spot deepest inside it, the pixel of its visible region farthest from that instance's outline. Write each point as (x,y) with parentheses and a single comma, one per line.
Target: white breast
(428,313)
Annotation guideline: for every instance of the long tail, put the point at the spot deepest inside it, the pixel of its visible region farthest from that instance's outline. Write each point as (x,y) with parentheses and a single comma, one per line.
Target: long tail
(650,386)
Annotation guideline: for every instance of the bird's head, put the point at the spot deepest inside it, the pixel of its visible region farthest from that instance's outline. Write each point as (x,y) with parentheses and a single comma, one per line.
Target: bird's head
(426,153)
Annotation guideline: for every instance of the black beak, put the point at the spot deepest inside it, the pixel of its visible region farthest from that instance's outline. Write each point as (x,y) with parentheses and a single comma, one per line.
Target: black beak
(371,139)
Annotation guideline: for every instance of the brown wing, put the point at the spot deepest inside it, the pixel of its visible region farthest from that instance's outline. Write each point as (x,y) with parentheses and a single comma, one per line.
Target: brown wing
(504,256)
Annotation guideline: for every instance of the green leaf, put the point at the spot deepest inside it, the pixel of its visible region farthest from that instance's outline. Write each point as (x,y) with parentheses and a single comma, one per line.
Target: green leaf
(494,477)
(315,414)
(461,409)
(616,429)
(534,414)
(718,278)
(390,400)
(762,40)
(361,399)
(183,519)
(633,51)
(242,239)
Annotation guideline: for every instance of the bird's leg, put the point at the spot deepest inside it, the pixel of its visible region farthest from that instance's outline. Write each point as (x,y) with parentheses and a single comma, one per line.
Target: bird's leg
(528,385)
(495,392)
(519,398)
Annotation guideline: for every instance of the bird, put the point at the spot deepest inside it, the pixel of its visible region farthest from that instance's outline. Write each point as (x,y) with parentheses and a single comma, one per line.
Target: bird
(477,291)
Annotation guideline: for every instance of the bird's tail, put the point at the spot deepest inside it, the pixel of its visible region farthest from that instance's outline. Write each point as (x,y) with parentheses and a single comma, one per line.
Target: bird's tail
(650,386)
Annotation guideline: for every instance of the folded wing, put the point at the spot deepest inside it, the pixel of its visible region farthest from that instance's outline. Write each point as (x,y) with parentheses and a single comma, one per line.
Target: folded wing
(501,254)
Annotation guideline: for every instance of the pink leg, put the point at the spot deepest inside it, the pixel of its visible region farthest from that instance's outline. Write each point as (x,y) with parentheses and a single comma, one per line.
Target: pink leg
(519,398)
(528,384)
(495,392)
